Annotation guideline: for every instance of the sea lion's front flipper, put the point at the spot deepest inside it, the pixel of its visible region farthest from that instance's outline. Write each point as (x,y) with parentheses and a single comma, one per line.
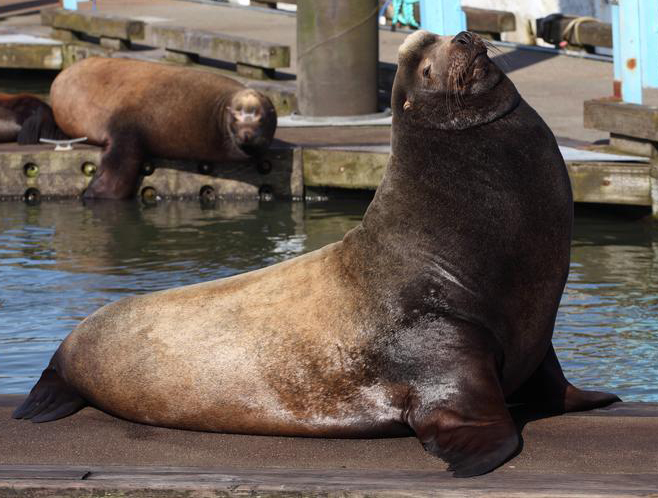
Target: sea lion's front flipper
(548,389)
(117,176)
(463,419)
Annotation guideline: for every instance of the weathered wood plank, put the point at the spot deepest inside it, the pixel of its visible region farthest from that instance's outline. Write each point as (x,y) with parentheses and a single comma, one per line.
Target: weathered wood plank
(610,183)
(217,46)
(31,56)
(12,8)
(57,174)
(277,175)
(282,482)
(593,33)
(51,474)
(93,24)
(343,168)
(632,120)
(489,21)
(62,174)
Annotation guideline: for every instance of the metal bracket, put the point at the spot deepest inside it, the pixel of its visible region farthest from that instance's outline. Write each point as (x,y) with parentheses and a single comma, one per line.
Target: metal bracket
(63,144)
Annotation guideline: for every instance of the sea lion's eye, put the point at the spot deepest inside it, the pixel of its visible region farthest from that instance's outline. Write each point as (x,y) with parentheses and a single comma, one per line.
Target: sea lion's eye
(426,71)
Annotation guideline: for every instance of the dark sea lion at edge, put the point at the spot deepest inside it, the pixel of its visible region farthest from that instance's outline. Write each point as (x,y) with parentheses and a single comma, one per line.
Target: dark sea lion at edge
(427,317)
(136,110)
(25,118)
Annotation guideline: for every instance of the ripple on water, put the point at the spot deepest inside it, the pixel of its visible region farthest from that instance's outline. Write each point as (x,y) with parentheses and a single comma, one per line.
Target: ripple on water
(59,262)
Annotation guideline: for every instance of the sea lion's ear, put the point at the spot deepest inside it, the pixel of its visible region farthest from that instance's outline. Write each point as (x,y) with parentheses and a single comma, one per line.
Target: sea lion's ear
(407,105)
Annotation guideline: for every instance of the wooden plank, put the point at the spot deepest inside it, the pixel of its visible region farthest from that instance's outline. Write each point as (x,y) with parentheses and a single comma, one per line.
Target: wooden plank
(60,174)
(93,24)
(217,46)
(128,481)
(7,473)
(632,120)
(592,33)
(610,183)
(31,56)
(270,3)
(277,176)
(13,8)
(343,168)
(489,21)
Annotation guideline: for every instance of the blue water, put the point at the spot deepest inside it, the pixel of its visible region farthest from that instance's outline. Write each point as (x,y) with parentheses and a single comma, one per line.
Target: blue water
(61,261)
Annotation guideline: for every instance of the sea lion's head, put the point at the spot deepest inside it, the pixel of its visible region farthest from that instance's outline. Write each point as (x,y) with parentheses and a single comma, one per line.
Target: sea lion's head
(449,82)
(251,121)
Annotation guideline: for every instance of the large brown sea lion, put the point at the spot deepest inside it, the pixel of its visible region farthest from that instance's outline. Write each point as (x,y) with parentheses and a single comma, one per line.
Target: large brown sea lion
(25,118)
(427,317)
(136,110)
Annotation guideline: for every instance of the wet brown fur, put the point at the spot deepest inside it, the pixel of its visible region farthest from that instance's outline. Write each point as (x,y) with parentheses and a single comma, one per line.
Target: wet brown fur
(427,317)
(142,109)
(25,118)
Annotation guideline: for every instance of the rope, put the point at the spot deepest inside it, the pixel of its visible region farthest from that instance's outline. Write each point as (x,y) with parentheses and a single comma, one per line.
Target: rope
(572,28)
(339,34)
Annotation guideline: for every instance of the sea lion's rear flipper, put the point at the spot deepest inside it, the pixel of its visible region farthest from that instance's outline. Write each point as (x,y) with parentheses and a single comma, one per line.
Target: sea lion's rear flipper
(465,422)
(50,399)
(548,389)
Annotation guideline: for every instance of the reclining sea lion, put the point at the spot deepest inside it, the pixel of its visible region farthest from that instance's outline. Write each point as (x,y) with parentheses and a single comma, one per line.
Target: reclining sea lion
(136,110)
(25,118)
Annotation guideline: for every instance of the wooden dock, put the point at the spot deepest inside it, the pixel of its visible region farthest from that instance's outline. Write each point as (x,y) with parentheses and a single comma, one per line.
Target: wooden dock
(603,453)
(301,160)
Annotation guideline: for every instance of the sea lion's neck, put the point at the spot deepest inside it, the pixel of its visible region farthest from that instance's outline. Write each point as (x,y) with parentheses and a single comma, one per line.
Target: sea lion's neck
(435,191)
(428,111)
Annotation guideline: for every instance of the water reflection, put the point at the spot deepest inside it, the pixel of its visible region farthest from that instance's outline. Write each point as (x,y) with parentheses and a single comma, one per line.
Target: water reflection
(61,261)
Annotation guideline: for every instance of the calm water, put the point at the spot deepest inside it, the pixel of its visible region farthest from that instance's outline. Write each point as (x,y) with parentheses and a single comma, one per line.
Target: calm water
(61,261)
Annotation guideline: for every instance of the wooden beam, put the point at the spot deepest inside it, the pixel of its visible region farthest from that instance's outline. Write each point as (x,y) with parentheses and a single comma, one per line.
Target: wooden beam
(13,8)
(631,120)
(489,21)
(592,33)
(93,24)
(31,55)
(343,168)
(217,46)
(610,183)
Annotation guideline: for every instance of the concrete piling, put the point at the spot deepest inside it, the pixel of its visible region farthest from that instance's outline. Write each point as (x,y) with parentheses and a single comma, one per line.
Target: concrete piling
(337,57)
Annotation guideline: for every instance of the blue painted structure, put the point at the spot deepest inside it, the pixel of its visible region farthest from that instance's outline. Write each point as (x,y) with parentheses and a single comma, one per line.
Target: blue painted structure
(70,4)
(635,46)
(444,17)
